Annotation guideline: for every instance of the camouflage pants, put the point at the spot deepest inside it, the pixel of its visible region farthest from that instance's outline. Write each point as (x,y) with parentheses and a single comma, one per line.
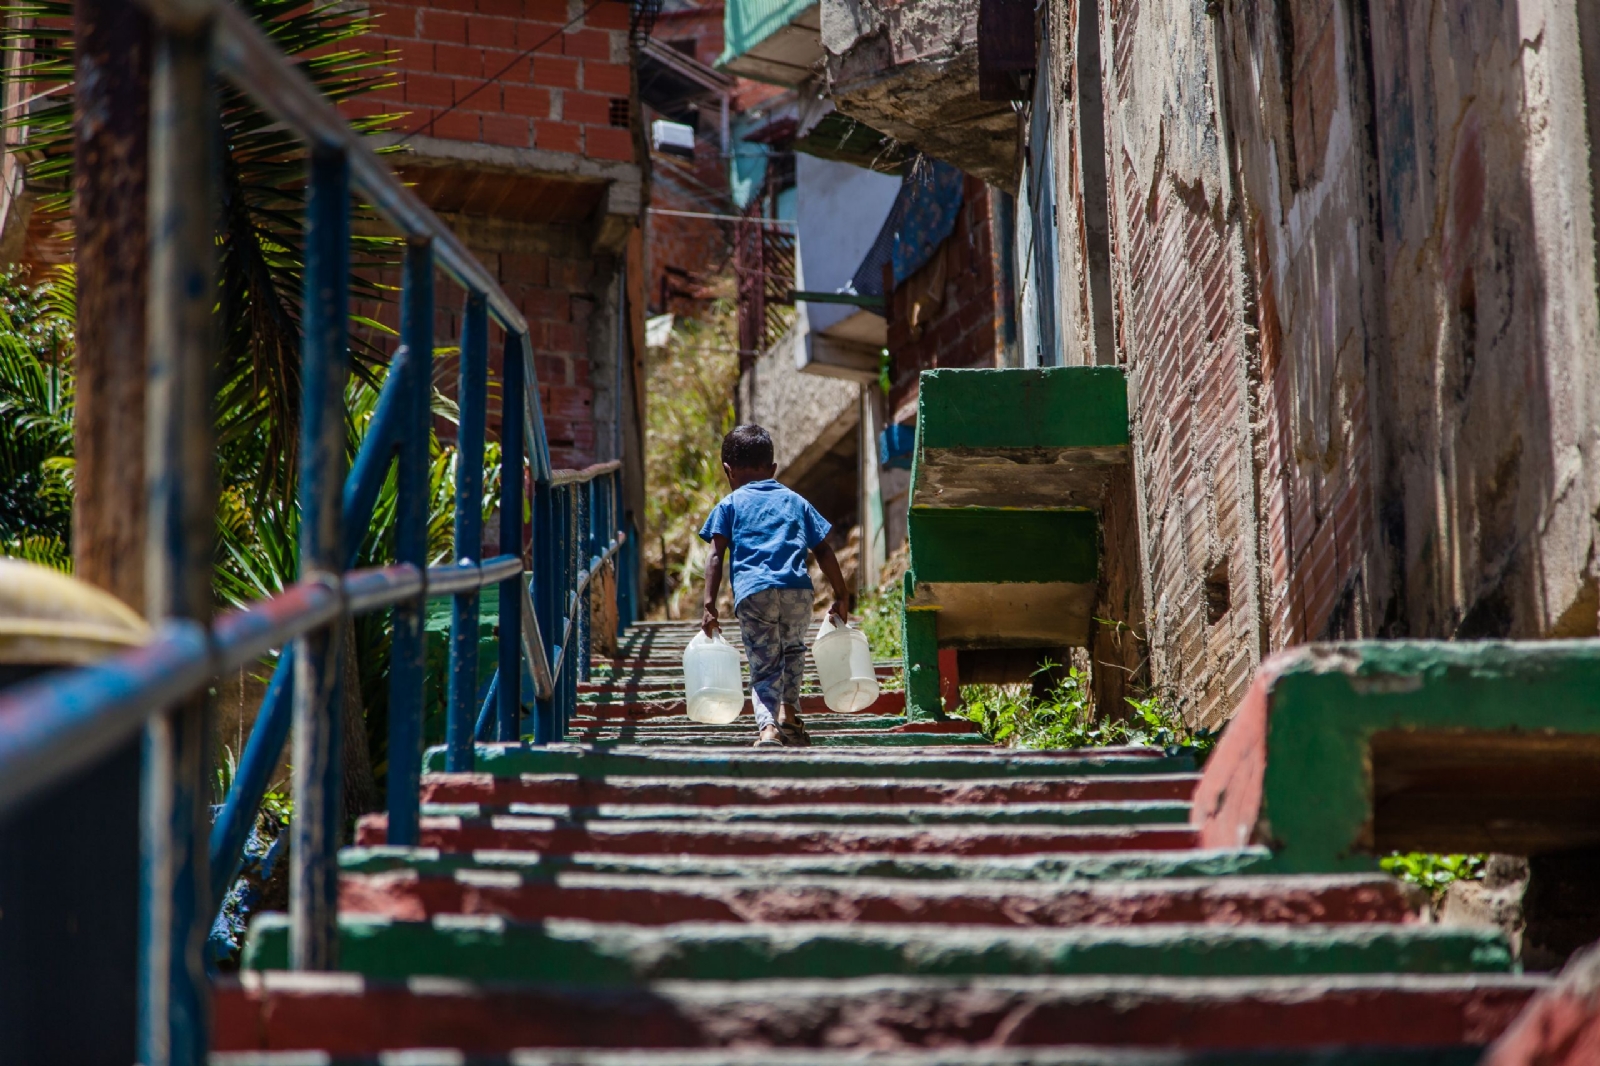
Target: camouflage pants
(774,624)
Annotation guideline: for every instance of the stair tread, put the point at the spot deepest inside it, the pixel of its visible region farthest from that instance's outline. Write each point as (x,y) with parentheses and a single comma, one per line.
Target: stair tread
(491,948)
(1124,813)
(570,788)
(1052,868)
(645,899)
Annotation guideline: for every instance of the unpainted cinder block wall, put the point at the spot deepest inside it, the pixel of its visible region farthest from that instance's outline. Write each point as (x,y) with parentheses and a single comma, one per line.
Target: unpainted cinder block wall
(1352,268)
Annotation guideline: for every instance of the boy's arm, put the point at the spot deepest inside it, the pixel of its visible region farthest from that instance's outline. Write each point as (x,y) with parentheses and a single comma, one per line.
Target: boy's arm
(708,616)
(830,569)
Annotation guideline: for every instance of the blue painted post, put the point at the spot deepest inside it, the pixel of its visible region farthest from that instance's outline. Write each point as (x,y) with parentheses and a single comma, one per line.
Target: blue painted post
(472,399)
(175,906)
(627,573)
(569,580)
(544,583)
(318,721)
(585,545)
(264,748)
(511,378)
(409,645)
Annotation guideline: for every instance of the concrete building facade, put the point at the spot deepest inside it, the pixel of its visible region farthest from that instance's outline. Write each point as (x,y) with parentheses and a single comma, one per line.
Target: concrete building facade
(1345,253)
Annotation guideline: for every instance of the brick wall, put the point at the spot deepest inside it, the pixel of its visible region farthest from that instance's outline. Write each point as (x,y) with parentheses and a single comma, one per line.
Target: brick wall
(461,74)
(947,313)
(1176,291)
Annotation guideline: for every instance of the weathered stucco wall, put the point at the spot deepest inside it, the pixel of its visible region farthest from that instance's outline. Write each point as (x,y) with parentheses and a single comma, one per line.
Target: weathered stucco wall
(1490,404)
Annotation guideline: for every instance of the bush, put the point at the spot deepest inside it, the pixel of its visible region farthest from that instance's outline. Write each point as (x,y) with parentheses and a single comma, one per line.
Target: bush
(1065,718)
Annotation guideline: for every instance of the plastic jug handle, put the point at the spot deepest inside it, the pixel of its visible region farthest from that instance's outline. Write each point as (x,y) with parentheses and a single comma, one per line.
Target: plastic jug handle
(827,626)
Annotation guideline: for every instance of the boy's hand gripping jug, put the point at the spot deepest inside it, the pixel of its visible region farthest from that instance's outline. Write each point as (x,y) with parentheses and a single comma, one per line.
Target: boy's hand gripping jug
(844,667)
(711,680)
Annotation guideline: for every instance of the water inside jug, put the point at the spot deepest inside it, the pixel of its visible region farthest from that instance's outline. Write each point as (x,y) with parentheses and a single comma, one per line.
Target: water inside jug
(712,684)
(844,667)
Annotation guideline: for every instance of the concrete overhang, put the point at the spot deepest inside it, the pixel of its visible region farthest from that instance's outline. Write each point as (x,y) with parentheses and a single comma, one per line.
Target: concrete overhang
(777,41)
(523,187)
(910,71)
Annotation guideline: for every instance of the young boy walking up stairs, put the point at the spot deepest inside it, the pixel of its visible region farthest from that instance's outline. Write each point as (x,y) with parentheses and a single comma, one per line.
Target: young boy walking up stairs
(769,529)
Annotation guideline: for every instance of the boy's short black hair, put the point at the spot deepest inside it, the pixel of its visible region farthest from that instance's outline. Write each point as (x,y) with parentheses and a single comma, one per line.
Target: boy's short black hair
(748,447)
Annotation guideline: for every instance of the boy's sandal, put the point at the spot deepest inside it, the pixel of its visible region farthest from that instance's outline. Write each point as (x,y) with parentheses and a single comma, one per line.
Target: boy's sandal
(764,741)
(794,733)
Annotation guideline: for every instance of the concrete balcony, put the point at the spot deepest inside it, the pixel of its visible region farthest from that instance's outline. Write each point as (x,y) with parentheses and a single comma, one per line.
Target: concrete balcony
(910,70)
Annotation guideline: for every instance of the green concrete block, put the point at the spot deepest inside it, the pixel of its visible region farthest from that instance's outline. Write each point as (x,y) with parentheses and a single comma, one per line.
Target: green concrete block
(991,545)
(920,641)
(578,952)
(1054,407)
(511,760)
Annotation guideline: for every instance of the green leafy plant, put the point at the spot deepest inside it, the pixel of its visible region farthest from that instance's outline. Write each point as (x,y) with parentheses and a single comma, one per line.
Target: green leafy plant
(692,380)
(878,614)
(1064,717)
(36,405)
(1433,872)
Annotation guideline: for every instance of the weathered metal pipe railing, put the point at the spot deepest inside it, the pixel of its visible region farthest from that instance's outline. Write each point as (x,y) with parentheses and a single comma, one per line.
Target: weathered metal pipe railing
(64,722)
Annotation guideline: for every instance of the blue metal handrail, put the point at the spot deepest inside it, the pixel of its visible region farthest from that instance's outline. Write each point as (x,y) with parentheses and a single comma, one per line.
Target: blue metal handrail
(63,722)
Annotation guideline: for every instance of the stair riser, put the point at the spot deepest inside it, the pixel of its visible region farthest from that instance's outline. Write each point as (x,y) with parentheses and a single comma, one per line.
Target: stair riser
(493,1021)
(1077,814)
(406,897)
(952,764)
(669,838)
(613,955)
(669,702)
(610,738)
(580,791)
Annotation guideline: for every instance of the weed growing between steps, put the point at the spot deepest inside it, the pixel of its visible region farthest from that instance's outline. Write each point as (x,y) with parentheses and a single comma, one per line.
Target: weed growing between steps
(1065,718)
(1434,872)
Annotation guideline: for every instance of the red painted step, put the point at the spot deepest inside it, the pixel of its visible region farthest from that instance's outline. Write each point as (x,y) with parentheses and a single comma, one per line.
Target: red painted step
(552,836)
(635,900)
(491,791)
(1561,1027)
(346,1015)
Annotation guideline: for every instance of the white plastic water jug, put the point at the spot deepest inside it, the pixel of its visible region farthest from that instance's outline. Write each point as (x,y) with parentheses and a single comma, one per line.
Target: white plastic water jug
(711,680)
(844,667)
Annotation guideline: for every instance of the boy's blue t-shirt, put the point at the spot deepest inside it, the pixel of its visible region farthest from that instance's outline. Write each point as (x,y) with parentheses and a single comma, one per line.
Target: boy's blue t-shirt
(771,528)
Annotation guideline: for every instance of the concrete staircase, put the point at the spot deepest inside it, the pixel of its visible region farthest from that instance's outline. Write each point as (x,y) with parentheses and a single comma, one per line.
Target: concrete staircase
(659,893)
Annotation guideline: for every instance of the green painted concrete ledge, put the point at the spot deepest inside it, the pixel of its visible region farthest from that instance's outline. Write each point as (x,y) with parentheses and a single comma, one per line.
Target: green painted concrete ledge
(1342,752)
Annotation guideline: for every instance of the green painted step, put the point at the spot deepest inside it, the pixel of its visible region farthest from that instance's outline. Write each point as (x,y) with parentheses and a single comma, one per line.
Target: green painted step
(1080,1056)
(992,814)
(509,760)
(1048,868)
(576,952)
